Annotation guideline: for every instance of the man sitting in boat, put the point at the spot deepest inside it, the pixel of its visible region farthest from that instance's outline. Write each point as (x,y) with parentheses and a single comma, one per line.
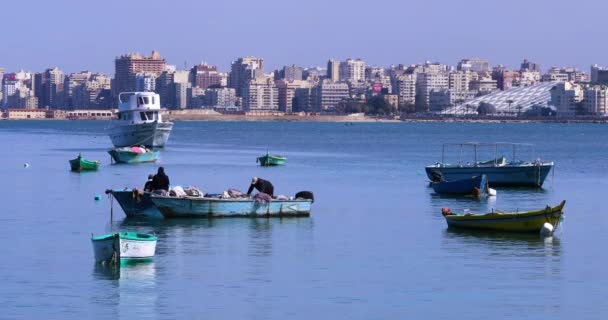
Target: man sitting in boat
(148,185)
(160,182)
(262,186)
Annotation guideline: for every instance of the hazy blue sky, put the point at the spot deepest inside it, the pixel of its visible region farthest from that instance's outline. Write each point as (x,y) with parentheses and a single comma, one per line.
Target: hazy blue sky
(88,35)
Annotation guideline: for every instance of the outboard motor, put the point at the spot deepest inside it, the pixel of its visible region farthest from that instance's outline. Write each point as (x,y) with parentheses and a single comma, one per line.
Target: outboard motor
(305,195)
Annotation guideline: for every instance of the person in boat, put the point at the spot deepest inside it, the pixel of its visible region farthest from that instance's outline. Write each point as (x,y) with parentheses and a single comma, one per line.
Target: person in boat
(148,185)
(262,186)
(160,182)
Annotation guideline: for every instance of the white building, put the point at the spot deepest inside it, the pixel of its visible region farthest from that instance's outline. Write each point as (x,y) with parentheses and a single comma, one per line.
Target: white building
(595,100)
(405,88)
(260,94)
(565,96)
(327,95)
(427,82)
(352,70)
(145,82)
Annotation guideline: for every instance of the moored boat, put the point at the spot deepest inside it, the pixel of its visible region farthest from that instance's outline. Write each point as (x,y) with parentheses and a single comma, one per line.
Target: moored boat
(135,203)
(270,160)
(139,121)
(499,171)
(209,207)
(120,246)
(477,186)
(528,221)
(133,154)
(82,164)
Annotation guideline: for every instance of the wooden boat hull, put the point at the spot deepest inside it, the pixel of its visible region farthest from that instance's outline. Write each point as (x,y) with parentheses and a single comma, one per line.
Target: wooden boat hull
(124,246)
(130,157)
(531,221)
(270,160)
(530,175)
(80,164)
(465,186)
(151,135)
(171,207)
(135,206)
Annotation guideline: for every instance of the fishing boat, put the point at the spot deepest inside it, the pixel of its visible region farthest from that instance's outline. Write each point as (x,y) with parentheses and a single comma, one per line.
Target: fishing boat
(135,203)
(133,154)
(82,164)
(209,207)
(528,221)
(139,121)
(499,171)
(270,160)
(477,186)
(120,246)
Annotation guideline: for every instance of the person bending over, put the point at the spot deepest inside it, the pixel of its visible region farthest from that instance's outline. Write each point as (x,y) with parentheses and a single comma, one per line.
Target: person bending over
(262,186)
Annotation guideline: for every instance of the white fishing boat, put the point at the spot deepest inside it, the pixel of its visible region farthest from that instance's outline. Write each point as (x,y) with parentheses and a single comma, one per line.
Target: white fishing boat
(121,246)
(139,121)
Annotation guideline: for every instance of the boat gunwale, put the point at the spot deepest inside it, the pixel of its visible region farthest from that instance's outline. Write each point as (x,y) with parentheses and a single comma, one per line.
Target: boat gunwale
(154,196)
(505,216)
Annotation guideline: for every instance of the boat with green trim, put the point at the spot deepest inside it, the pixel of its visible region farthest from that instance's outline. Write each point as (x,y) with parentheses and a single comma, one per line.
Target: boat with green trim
(82,164)
(121,246)
(527,221)
(133,155)
(270,160)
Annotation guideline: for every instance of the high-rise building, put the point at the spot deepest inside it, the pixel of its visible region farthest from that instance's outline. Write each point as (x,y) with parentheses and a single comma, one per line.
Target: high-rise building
(287,91)
(461,80)
(474,65)
(260,94)
(505,79)
(145,82)
(49,88)
(129,65)
(243,70)
(290,73)
(405,87)
(565,96)
(529,66)
(326,95)
(220,97)
(204,76)
(181,86)
(352,70)
(595,100)
(599,74)
(427,82)
(333,70)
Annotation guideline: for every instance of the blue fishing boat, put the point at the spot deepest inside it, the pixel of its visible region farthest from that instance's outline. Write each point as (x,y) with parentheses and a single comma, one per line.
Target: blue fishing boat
(133,155)
(499,171)
(209,207)
(477,186)
(135,203)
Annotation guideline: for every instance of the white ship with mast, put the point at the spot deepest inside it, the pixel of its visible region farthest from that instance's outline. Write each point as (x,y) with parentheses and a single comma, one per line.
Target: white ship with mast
(139,121)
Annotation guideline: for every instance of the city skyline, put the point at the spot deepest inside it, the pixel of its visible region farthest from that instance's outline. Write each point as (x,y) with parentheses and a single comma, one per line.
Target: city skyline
(79,39)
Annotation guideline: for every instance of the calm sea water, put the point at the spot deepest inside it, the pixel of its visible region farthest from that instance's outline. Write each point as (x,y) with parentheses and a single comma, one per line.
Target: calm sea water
(375,246)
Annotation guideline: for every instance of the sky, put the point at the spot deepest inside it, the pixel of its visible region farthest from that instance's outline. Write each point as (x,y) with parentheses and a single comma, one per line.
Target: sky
(80,35)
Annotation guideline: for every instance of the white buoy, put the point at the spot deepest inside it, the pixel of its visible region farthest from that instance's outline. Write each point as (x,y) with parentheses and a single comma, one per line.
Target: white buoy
(25,165)
(491,192)
(546,230)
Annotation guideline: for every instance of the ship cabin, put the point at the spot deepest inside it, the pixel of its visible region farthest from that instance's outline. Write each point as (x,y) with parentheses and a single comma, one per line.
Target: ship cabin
(139,107)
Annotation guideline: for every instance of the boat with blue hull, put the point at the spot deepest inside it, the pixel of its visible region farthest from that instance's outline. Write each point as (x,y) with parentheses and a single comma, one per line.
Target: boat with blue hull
(132,155)
(208,207)
(135,203)
(477,185)
(499,171)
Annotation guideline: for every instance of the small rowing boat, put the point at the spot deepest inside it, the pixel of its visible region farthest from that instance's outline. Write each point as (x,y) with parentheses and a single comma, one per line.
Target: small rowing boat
(476,186)
(133,155)
(120,246)
(270,160)
(527,221)
(82,164)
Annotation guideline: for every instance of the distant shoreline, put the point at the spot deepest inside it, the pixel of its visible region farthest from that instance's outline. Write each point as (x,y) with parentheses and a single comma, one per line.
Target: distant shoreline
(178,116)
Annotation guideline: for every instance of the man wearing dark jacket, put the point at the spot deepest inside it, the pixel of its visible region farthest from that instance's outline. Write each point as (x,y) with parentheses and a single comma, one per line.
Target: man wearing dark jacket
(262,186)
(160,180)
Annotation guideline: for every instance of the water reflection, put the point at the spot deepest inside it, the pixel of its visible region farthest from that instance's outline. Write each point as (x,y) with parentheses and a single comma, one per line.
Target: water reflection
(134,290)
(503,243)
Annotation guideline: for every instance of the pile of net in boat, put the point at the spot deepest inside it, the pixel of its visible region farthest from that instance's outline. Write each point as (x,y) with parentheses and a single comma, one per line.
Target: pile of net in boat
(180,192)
